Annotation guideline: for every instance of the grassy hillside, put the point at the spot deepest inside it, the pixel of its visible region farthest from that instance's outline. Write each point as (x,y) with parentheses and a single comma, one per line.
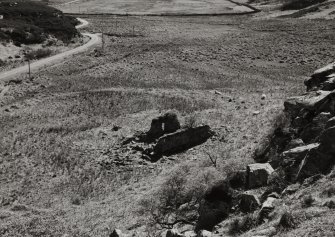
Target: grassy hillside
(27,22)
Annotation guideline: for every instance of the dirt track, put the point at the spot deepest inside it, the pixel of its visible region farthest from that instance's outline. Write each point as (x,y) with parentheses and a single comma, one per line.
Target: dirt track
(94,39)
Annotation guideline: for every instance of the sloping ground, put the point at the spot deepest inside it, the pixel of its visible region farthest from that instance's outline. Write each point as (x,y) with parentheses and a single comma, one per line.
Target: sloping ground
(145,7)
(63,171)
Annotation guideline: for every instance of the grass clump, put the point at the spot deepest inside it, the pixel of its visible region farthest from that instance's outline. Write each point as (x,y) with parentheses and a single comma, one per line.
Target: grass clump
(307,201)
(243,224)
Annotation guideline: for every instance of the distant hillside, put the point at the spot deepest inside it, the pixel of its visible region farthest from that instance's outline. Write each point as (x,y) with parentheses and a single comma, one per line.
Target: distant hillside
(27,22)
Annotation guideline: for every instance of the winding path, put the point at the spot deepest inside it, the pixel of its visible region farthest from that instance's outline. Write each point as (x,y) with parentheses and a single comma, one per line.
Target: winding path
(58,58)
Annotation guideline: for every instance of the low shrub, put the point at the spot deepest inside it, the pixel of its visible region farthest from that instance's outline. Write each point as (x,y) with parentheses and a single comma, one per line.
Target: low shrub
(243,224)
(37,54)
(307,201)
(288,221)
(299,4)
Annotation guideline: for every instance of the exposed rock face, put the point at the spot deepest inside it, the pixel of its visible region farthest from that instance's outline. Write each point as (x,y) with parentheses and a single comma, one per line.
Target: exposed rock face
(320,76)
(249,202)
(257,174)
(311,118)
(182,139)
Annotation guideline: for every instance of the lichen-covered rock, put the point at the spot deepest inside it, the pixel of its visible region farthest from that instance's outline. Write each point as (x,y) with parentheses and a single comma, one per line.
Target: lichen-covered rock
(258,174)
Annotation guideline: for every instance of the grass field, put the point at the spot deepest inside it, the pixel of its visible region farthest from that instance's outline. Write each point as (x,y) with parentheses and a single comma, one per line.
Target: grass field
(153,7)
(59,151)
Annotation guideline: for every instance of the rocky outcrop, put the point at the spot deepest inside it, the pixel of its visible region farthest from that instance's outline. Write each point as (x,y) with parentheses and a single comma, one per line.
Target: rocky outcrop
(311,120)
(258,174)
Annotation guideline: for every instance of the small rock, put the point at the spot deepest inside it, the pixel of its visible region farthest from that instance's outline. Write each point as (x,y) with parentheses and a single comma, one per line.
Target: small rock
(248,202)
(263,97)
(256,112)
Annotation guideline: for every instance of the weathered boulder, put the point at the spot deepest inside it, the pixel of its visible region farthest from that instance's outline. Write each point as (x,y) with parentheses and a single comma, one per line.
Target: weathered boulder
(248,202)
(257,174)
(312,131)
(182,140)
(320,76)
(173,233)
(315,101)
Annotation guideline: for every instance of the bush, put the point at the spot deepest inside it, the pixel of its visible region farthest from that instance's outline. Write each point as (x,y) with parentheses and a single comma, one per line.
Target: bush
(37,54)
(299,4)
(288,221)
(308,201)
(32,21)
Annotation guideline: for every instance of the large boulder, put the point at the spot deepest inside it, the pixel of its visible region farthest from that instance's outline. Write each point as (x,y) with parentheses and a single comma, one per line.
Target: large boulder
(320,76)
(258,174)
(182,140)
(248,202)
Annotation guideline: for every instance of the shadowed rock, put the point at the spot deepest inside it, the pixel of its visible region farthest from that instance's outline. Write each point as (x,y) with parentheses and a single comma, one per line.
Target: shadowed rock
(258,174)
(320,76)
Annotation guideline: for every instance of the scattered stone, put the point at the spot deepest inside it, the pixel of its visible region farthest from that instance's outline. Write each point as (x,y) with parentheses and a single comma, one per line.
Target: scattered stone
(256,113)
(249,202)
(263,97)
(257,174)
